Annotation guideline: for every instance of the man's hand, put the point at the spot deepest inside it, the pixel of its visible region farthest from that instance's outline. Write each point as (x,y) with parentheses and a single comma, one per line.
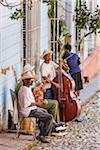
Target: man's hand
(55,84)
(47,79)
(32,104)
(45,101)
(38,103)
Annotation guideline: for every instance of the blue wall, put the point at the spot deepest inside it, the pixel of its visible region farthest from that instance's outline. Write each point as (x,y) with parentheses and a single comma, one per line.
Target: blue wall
(9,56)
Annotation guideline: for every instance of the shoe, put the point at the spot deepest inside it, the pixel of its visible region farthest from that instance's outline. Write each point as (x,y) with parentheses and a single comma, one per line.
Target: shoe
(42,139)
(60,124)
(78,97)
(38,137)
(78,121)
(60,128)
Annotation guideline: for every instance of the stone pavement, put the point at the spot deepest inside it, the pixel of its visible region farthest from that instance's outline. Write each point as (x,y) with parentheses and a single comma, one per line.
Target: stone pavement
(80,136)
(9,142)
(90,89)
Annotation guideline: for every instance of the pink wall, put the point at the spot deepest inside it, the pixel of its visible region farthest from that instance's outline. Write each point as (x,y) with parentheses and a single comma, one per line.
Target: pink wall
(91,66)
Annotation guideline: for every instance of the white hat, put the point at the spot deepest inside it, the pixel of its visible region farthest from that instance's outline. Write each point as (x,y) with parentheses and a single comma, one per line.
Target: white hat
(28,67)
(45,53)
(27,75)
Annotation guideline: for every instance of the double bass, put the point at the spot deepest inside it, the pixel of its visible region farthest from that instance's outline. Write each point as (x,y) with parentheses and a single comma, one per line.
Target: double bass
(69,105)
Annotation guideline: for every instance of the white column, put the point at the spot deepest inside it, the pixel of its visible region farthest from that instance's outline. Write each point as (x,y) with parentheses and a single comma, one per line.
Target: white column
(86,42)
(73,25)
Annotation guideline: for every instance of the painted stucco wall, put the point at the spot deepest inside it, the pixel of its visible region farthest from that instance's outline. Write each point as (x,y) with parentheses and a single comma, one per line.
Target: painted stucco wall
(68,14)
(70,20)
(44,27)
(90,41)
(9,56)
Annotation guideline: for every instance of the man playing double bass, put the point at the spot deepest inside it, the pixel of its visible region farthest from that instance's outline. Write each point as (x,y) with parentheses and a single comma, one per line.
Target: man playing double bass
(69,103)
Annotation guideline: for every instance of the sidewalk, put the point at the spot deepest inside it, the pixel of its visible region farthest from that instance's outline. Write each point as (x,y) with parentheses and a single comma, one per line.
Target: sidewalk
(90,89)
(8,140)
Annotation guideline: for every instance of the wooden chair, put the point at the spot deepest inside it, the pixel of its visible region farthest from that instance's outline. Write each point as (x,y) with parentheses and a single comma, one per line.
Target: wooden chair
(17,118)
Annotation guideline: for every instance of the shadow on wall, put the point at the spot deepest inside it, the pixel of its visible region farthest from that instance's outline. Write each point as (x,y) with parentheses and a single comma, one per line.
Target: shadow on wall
(7,83)
(4,107)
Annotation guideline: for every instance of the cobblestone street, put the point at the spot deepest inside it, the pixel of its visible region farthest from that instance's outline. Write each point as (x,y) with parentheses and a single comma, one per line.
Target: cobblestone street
(49,74)
(81,136)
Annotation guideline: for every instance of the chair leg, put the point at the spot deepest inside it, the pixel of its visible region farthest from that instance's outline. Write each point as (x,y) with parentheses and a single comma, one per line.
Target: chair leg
(18,129)
(34,127)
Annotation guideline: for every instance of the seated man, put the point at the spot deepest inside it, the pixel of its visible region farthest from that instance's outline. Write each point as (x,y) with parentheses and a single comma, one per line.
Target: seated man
(51,106)
(30,108)
(27,68)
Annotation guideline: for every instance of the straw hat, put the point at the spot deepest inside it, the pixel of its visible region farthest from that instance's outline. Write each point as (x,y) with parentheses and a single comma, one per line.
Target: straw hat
(45,53)
(27,75)
(28,67)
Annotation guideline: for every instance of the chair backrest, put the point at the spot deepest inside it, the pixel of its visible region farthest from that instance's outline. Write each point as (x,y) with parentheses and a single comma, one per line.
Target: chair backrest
(13,96)
(15,106)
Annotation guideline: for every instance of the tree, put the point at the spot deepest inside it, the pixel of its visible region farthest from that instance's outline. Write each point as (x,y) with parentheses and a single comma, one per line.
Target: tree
(87,21)
(16,11)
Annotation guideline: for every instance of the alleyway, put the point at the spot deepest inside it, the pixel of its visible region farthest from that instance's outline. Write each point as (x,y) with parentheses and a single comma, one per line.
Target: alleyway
(81,136)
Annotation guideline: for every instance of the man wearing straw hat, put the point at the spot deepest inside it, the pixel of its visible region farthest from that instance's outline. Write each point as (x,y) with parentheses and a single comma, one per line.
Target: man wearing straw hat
(48,73)
(29,108)
(52,106)
(26,68)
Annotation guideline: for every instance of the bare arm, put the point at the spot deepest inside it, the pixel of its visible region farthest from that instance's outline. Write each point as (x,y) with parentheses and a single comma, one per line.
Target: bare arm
(55,84)
(34,104)
(52,82)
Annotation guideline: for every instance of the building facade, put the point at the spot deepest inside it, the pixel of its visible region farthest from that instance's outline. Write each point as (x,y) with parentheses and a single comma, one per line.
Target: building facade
(10,60)
(21,42)
(36,33)
(24,41)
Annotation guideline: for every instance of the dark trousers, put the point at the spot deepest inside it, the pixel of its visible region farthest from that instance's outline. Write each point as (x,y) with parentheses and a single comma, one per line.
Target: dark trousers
(45,122)
(78,81)
(49,94)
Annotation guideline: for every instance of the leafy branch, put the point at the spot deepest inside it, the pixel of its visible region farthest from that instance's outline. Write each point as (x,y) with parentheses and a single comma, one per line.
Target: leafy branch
(86,20)
(6,4)
(18,12)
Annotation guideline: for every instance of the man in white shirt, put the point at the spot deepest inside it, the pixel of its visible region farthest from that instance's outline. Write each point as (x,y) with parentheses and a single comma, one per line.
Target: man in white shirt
(48,73)
(52,106)
(29,108)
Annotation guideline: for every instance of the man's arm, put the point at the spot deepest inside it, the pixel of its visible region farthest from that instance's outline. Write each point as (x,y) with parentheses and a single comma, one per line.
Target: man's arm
(52,82)
(35,104)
